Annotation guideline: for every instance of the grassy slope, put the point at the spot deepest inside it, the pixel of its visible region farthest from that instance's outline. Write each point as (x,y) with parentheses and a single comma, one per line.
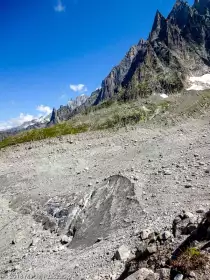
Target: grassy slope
(114,115)
(43,133)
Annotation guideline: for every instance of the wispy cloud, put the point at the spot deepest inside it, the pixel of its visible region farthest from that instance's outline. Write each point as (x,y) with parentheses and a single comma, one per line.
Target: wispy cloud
(44,109)
(78,88)
(63,96)
(22,118)
(60,7)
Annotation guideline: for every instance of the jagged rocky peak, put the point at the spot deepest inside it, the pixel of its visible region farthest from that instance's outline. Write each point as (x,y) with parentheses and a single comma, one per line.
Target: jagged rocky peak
(159,27)
(66,112)
(54,117)
(180,13)
(81,99)
(177,47)
(116,76)
(202,5)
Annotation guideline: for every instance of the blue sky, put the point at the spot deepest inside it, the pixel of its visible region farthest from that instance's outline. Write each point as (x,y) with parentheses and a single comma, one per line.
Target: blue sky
(48,45)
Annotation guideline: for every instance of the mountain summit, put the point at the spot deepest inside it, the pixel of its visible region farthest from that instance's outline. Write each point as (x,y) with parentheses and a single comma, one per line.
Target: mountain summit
(177,50)
(177,47)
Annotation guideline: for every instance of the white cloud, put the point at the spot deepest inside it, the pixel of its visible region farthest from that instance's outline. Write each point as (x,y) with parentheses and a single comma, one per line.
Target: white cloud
(22,118)
(60,7)
(44,109)
(16,121)
(63,96)
(78,88)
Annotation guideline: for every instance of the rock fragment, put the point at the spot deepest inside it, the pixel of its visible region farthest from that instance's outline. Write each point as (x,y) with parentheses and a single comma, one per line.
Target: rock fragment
(123,253)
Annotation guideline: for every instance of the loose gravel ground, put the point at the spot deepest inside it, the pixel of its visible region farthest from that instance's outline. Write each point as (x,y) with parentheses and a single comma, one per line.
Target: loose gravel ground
(170,169)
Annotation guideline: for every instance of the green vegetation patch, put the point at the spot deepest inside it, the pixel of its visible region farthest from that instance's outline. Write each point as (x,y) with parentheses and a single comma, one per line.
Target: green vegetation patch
(191,259)
(43,133)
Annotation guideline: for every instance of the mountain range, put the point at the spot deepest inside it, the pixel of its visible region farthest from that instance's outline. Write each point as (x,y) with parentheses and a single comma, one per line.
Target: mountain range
(177,49)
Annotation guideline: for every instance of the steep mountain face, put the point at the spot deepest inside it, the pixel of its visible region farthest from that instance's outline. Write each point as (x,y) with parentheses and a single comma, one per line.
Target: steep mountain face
(177,47)
(118,73)
(73,104)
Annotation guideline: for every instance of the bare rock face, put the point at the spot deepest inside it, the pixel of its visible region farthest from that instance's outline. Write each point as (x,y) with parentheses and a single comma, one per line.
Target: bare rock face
(110,209)
(118,73)
(65,112)
(176,47)
(54,118)
(82,219)
(73,104)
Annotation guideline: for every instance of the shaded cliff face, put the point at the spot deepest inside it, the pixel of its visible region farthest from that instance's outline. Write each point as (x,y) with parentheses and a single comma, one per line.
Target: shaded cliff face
(73,104)
(118,73)
(178,46)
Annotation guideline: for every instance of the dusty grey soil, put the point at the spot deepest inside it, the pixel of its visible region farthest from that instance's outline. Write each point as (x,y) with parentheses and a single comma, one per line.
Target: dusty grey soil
(168,168)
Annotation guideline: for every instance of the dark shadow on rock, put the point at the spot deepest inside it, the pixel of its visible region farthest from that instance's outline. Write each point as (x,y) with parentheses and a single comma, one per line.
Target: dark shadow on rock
(113,203)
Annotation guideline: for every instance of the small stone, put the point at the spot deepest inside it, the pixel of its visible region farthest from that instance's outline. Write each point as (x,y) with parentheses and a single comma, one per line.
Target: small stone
(166,235)
(122,253)
(90,185)
(141,274)
(165,273)
(179,277)
(152,249)
(34,242)
(17,267)
(192,274)
(188,179)
(201,211)
(65,239)
(167,172)
(207,171)
(145,234)
(188,186)
(188,215)
(99,239)
(201,163)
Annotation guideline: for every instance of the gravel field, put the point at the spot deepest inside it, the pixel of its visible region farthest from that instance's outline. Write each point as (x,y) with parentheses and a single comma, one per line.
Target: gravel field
(96,190)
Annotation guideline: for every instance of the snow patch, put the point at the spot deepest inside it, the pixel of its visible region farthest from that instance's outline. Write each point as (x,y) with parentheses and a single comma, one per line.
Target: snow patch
(199,83)
(163,95)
